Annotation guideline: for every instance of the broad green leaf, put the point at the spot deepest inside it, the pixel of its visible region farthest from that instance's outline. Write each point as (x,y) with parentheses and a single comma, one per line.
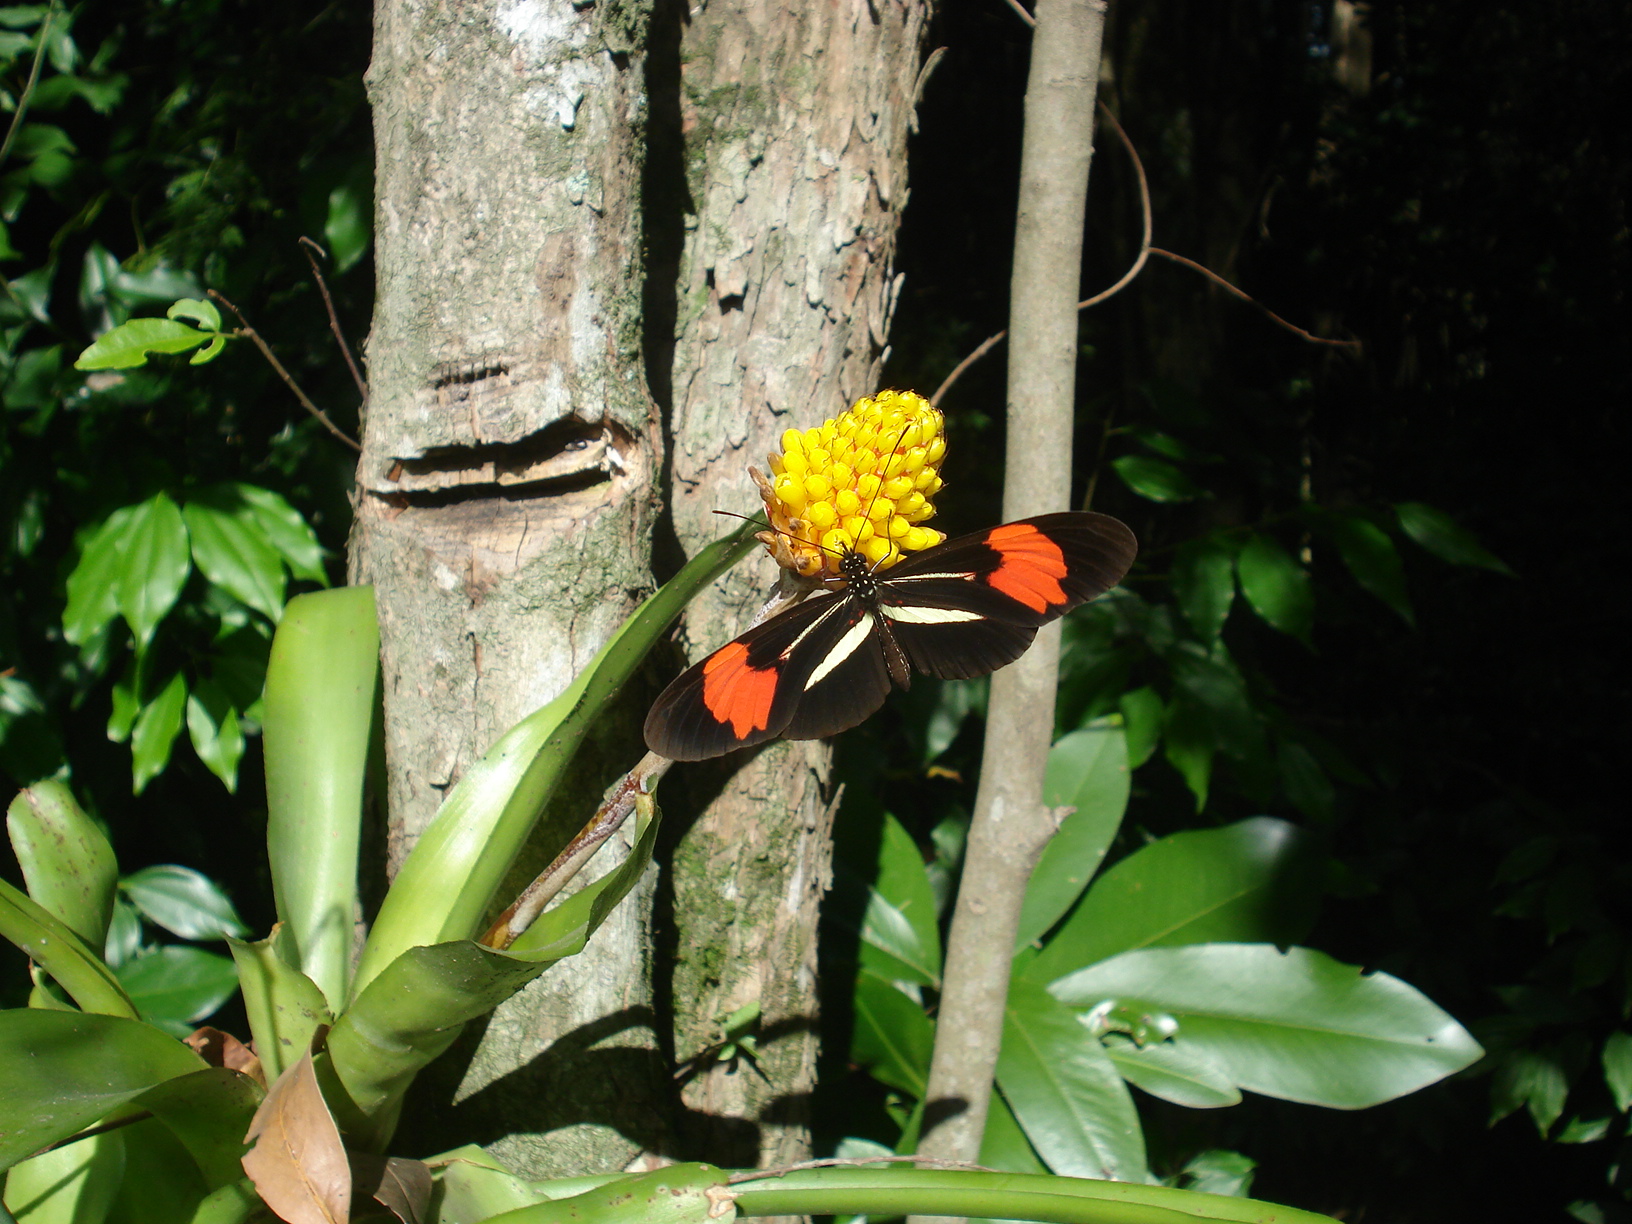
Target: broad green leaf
(900,919)
(1371,557)
(1212,682)
(283,1004)
(69,1185)
(891,1037)
(445,886)
(129,344)
(1155,479)
(1295,1025)
(232,552)
(1251,882)
(155,733)
(1172,1071)
(67,862)
(1203,579)
(67,1070)
(1533,1080)
(201,311)
(94,584)
(125,705)
(281,525)
(1617,1059)
(1064,1092)
(208,1111)
(176,987)
(322,695)
(1003,1145)
(47,941)
(1142,717)
(1276,586)
(1087,770)
(1440,534)
(162,1183)
(209,352)
(184,902)
(154,562)
(212,724)
(1583,1130)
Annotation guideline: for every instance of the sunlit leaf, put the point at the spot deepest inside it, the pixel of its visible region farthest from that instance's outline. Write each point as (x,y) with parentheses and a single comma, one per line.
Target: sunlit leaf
(154,561)
(230,550)
(176,987)
(891,1037)
(1296,1025)
(198,310)
(155,731)
(1250,882)
(1440,534)
(67,1070)
(65,858)
(128,345)
(183,901)
(93,586)
(1172,1071)
(1064,1091)
(1087,770)
(72,1183)
(283,528)
(900,919)
(1276,586)
(212,724)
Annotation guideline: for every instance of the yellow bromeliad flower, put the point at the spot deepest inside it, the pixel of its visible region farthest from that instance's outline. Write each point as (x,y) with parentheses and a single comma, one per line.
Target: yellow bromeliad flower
(862,481)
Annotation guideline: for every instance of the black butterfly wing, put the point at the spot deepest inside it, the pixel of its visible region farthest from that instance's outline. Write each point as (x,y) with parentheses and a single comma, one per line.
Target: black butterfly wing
(973,604)
(808,672)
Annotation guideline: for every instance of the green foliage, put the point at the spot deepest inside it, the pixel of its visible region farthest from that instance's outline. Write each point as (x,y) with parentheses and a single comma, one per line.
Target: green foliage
(1168,971)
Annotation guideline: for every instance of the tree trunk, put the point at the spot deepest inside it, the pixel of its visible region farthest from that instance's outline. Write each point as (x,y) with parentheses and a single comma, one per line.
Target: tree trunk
(538,315)
(795,122)
(506,483)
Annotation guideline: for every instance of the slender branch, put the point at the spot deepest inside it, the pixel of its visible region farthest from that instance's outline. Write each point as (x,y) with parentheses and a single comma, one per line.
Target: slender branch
(1011,823)
(254,337)
(307,247)
(27,95)
(615,808)
(1351,345)
(1024,15)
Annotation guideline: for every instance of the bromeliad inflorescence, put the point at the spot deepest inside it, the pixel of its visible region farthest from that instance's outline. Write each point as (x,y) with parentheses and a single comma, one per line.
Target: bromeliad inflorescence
(862,481)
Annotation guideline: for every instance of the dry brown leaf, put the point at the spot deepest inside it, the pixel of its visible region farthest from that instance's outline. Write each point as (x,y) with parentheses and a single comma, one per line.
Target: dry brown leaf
(298,1164)
(400,1185)
(221,1049)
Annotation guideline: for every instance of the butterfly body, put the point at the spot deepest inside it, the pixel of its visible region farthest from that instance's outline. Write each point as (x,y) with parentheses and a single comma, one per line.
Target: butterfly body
(961,609)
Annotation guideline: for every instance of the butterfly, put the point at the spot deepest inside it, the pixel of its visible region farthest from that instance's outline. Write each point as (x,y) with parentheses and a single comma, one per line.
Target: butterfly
(963,608)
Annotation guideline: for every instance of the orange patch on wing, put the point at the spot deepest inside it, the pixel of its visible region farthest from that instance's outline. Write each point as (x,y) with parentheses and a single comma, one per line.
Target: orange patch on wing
(736,693)
(1031,566)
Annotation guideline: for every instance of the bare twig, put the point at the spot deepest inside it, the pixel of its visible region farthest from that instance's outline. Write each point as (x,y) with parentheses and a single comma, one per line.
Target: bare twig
(307,247)
(1351,345)
(992,342)
(27,95)
(615,808)
(254,337)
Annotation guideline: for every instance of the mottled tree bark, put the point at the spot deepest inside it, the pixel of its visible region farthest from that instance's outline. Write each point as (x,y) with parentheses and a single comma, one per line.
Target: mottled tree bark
(506,496)
(561,314)
(795,123)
